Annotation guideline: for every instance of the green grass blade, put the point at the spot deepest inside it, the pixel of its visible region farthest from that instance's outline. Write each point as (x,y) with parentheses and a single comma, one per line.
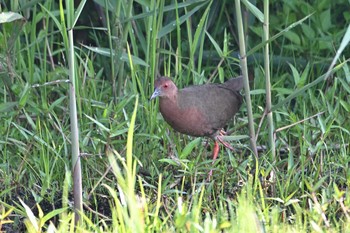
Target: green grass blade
(172,25)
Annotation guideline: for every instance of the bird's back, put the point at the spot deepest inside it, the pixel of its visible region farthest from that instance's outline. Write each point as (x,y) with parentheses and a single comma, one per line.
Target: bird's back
(215,103)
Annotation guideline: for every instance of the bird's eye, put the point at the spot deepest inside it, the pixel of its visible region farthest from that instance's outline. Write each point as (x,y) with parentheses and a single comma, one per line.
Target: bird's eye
(166,85)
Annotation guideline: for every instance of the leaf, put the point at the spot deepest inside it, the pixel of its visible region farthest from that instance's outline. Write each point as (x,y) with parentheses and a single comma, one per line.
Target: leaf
(261,45)
(183,4)
(172,25)
(26,133)
(304,75)
(8,106)
(257,92)
(217,47)
(170,161)
(308,31)
(8,17)
(347,73)
(345,105)
(24,96)
(54,18)
(292,201)
(118,132)
(293,37)
(100,125)
(57,102)
(106,52)
(189,147)
(283,91)
(304,88)
(13,22)
(295,73)
(52,214)
(326,21)
(78,12)
(256,12)
(201,27)
(345,85)
(30,215)
(235,137)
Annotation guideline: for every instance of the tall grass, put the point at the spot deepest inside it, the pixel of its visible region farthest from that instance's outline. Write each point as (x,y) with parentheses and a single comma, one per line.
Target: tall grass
(137,173)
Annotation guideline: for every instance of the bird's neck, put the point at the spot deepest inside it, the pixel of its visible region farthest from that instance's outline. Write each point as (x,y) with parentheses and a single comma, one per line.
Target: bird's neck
(169,104)
(169,99)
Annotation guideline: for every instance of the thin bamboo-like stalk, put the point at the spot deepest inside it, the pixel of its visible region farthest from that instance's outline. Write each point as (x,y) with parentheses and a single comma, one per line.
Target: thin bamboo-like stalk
(268,82)
(243,59)
(76,165)
(112,51)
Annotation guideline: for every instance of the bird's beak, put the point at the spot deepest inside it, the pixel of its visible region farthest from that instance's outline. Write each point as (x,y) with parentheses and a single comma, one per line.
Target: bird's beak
(155,93)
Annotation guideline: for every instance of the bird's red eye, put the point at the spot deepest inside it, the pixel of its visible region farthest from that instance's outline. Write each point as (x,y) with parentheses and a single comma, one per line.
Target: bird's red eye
(166,85)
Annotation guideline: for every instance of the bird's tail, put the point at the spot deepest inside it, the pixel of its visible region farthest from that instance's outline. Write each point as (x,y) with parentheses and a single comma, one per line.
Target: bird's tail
(235,84)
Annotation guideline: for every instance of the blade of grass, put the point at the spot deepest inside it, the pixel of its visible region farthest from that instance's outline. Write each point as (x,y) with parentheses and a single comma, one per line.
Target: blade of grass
(260,46)
(172,25)
(306,87)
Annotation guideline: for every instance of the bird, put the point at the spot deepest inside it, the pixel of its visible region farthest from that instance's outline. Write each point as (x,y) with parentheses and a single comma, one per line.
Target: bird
(199,110)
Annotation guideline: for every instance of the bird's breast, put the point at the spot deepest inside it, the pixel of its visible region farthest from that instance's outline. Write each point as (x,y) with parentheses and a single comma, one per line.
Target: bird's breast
(189,120)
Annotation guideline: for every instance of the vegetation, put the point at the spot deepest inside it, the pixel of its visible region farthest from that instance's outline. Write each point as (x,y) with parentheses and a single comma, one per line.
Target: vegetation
(139,175)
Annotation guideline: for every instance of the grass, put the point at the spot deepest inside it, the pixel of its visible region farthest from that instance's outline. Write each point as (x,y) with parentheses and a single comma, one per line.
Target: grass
(137,173)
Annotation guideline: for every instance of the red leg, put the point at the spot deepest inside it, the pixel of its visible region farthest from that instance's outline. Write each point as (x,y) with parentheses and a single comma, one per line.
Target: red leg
(216,150)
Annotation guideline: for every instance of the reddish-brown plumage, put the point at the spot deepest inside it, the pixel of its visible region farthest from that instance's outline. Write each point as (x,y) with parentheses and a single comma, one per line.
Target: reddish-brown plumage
(200,110)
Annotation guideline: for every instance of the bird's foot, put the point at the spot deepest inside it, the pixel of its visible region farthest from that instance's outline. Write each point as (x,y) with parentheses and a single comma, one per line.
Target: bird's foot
(226,144)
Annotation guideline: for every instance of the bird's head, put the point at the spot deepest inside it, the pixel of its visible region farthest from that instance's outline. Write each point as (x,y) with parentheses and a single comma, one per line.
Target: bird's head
(164,87)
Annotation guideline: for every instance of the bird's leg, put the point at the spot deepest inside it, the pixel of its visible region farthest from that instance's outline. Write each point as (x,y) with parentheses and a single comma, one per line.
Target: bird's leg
(216,150)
